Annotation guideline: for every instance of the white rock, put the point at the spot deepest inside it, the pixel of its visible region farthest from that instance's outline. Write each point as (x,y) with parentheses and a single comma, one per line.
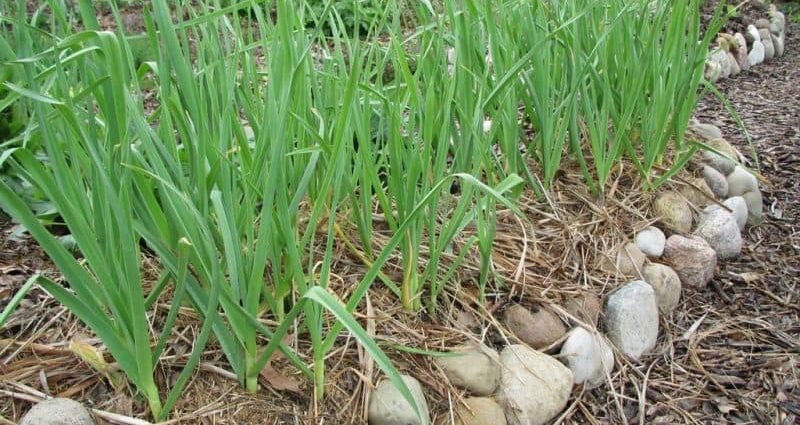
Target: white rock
(534,387)
(588,356)
(740,181)
(475,369)
(58,411)
(715,181)
(665,283)
(712,71)
(651,241)
(766,40)
(755,206)
(720,57)
(487,126)
(631,319)
(719,228)
(388,407)
(757,53)
(738,207)
(752,34)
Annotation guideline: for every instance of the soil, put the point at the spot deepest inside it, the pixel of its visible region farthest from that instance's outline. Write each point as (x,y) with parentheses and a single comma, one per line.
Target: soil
(730,353)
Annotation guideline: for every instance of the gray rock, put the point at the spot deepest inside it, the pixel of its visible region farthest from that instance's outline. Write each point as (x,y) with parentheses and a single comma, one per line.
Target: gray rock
(534,387)
(738,207)
(627,260)
(724,161)
(735,69)
(666,284)
(755,207)
(715,181)
(387,406)
(751,34)
(720,57)
(718,227)
(692,258)
(631,318)
(651,241)
(779,42)
(585,307)
(762,23)
(475,369)
(705,131)
(58,411)
(478,411)
(779,19)
(588,356)
(674,210)
(740,181)
(766,40)
(537,329)
(757,53)
(712,71)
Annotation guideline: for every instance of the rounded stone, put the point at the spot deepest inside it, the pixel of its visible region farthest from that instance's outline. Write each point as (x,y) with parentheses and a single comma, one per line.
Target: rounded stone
(674,211)
(631,319)
(738,207)
(724,163)
(58,411)
(705,131)
(718,227)
(534,387)
(779,43)
(692,258)
(651,241)
(538,328)
(698,194)
(755,206)
(740,181)
(478,411)
(666,284)
(584,307)
(588,356)
(628,260)
(766,40)
(757,53)
(715,181)
(475,369)
(387,406)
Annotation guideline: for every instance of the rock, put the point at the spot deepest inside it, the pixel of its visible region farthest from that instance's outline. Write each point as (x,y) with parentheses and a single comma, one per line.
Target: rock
(585,307)
(718,227)
(712,71)
(472,369)
(715,181)
(537,329)
(628,260)
(699,194)
(631,318)
(588,356)
(755,206)
(741,181)
(766,40)
(757,53)
(674,212)
(779,19)
(779,42)
(735,69)
(705,131)
(752,35)
(666,284)
(58,411)
(692,258)
(762,23)
(725,160)
(478,411)
(720,57)
(651,241)
(741,51)
(775,28)
(534,387)
(738,207)
(388,407)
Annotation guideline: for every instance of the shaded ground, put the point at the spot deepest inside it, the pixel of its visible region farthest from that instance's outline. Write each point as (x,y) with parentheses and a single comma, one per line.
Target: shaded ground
(729,354)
